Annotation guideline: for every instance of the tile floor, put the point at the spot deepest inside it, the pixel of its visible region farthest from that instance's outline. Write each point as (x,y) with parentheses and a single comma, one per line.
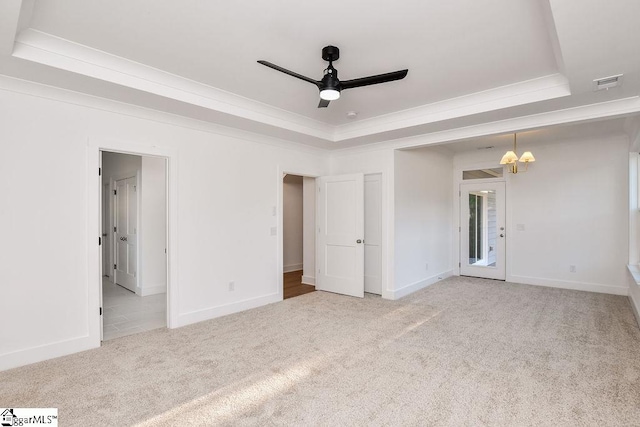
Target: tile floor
(126,313)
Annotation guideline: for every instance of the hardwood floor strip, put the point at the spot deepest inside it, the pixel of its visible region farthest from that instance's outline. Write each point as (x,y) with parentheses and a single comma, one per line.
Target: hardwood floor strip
(293,285)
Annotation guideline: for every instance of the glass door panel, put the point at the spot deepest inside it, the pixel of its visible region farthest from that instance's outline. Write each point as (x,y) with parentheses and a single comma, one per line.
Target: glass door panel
(482,230)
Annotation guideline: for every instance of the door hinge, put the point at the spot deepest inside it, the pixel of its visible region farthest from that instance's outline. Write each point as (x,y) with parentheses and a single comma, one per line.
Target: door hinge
(114,229)
(99,241)
(459,265)
(115,266)
(99,171)
(115,192)
(459,229)
(100,311)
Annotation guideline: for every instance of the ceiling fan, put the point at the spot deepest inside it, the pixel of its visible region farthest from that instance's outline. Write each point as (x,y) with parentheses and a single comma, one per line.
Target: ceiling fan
(330,86)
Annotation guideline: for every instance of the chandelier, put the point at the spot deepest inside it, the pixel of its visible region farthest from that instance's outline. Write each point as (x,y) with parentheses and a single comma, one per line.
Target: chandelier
(511,159)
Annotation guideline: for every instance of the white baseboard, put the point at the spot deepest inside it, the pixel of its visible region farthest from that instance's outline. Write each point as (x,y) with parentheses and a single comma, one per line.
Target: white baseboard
(46,352)
(420,284)
(151,290)
(308,280)
(292,267)
(567,284)
(223,310)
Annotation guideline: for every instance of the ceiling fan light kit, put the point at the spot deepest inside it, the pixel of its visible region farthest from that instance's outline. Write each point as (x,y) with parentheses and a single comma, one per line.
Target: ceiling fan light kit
(330,86)
(329,94)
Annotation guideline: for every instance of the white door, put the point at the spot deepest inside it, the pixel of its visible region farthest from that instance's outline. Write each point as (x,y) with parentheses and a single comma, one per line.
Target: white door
(106,261)
(373,234)
(125,233)
(340,222)
(482,230)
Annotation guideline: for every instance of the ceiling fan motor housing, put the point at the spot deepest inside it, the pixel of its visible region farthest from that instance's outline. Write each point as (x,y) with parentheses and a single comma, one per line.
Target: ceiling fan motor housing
(330,80)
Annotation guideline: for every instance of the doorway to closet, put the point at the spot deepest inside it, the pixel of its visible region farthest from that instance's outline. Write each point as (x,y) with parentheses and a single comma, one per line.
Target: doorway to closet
(134,235)
(298,237)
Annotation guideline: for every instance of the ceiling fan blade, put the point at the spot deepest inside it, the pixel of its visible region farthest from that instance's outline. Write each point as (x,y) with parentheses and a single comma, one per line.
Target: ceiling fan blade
(372,80)
(291,73)
(323,103)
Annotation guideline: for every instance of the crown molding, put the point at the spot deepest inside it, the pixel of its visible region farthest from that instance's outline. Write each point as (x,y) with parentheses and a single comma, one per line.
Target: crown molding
(534,90)
(36,46)
(583,113)
(43,48)
(52,93)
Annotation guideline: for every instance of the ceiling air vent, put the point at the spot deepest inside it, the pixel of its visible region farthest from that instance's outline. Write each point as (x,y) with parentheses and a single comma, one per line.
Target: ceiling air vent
(607,82)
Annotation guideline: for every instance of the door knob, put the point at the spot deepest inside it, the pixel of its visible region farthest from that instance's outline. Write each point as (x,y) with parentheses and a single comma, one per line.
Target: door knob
(502,235)
(358,241)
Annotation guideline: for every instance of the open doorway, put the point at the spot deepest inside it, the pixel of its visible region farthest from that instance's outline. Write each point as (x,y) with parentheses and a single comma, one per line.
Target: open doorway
(298,208)
(134,232)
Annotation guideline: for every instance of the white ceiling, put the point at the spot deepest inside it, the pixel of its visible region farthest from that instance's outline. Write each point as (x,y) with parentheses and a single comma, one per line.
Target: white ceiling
(492,66)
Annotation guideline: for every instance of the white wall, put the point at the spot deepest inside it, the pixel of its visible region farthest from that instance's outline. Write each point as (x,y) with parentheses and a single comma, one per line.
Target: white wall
(292,223)
(153,227)
(227,185)
(573,205)
(423,218)
(309,230)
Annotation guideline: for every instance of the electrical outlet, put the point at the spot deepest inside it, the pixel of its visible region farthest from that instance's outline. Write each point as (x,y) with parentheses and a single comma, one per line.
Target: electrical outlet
(232,286)
(572,269)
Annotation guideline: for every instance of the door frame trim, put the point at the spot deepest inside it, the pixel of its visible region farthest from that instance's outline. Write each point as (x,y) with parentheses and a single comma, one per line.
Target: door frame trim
(95,145)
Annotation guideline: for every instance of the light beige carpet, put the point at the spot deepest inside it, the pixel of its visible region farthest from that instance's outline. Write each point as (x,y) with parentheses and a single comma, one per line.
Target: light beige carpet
(462,352)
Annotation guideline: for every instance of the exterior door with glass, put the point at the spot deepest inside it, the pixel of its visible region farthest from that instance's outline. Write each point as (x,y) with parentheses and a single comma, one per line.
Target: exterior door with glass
(482,230)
